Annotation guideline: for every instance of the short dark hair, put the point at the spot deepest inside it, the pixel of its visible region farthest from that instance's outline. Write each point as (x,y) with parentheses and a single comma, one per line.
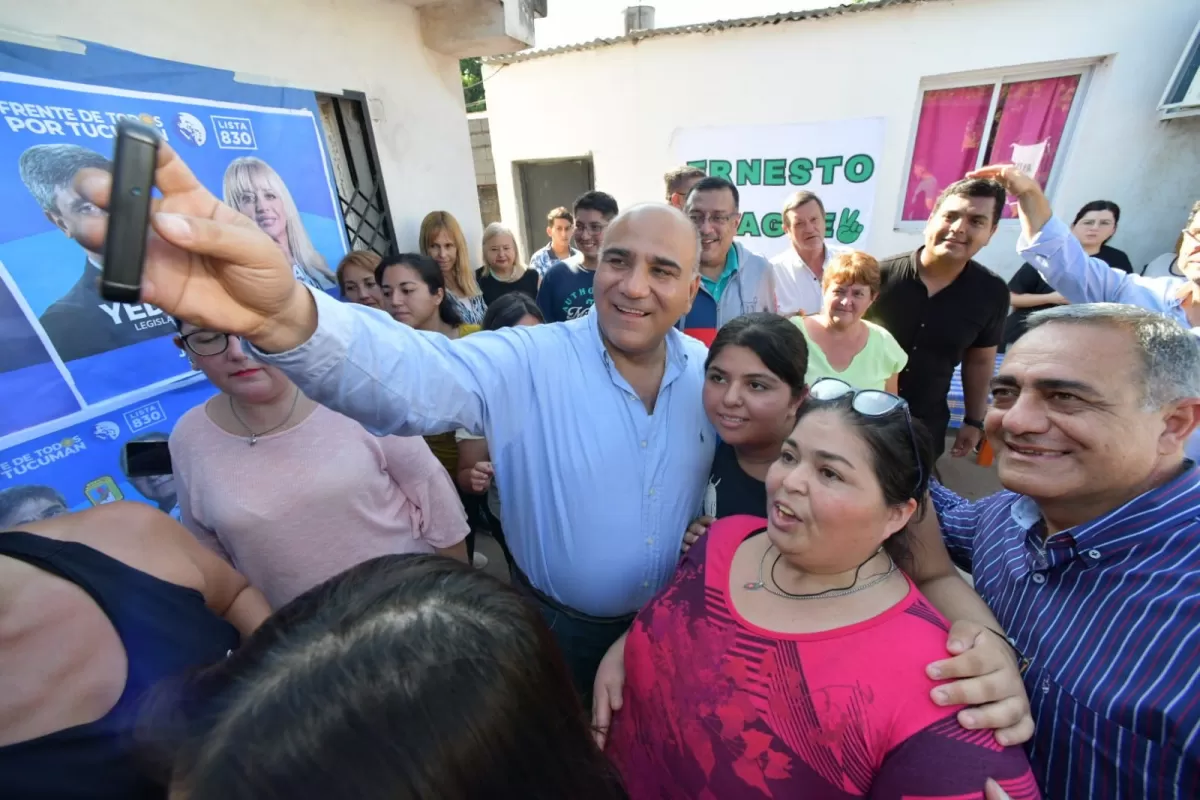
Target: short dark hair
(560,213)
(1099,205)
(605,203)
(509,309)
(46,168)
(975,187)
(902,470)
(776,341)
(406,676)
(12,498)
(676,178)
(715,184)
(432,275)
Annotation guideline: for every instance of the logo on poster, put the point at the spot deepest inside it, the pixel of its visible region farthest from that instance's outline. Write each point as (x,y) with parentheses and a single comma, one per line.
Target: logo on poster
(102,490)
(144,416)
(42,457)
(234,133)
(106,431)
(191,128)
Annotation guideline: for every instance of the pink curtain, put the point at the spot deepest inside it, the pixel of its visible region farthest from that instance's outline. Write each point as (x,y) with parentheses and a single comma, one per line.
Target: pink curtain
(949,136)
(1029,128)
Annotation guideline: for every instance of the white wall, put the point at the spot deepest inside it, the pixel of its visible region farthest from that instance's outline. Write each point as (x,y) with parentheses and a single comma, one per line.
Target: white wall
(620,104)
(371,46)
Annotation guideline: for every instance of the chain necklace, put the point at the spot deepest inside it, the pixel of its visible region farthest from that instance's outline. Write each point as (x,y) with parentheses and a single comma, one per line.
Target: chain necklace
(254,436)
(778,591)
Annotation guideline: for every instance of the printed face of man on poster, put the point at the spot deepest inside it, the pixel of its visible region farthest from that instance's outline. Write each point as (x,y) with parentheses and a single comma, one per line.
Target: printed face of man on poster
(49,173)
(80,323)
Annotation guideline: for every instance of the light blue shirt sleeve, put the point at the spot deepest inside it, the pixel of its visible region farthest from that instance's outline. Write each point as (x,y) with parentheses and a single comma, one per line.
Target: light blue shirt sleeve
(396,380)
(1060,258)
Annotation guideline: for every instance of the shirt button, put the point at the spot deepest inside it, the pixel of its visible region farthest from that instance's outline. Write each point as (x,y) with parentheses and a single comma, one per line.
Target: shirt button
(1045,686)
(1039,578)
(650,540)
(1094,555)
(643,444)
(651,492)
(645,584)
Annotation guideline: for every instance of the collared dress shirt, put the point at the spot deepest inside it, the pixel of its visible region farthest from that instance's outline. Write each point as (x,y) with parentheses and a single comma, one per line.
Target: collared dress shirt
(595,491)
(1109,614)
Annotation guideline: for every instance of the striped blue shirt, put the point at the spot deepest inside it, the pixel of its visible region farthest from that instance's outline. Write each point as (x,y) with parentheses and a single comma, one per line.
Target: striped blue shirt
(1109,614)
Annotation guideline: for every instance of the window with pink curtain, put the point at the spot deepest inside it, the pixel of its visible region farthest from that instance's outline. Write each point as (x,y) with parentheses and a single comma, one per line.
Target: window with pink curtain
(1030,119)
(1026,128)
(949,134)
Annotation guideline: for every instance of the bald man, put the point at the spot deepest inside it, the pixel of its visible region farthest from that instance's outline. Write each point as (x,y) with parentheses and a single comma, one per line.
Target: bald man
(597,431)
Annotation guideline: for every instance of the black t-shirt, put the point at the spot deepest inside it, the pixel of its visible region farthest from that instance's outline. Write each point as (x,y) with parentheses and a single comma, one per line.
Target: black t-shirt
(81,323)
(1027,280)
(566,291)
(493,288)
(1115,258)
(936,331)
(730,490)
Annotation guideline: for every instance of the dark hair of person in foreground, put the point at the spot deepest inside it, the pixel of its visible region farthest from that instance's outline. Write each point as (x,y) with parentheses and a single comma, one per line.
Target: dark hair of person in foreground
(411,676)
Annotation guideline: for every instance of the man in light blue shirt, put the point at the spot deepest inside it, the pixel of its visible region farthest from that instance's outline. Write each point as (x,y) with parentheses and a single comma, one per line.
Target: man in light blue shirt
(1048,244)
(596,426)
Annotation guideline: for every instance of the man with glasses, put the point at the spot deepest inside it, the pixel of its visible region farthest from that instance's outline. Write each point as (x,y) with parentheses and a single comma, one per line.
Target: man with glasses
(566,290)
(1048,244)
(733,281)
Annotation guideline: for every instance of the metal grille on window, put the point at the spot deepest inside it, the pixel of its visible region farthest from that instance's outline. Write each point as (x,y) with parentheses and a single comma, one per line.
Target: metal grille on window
(356,173)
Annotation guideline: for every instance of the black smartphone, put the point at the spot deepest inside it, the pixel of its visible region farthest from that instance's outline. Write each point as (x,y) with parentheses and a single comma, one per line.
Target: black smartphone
(147,459)
(134,157)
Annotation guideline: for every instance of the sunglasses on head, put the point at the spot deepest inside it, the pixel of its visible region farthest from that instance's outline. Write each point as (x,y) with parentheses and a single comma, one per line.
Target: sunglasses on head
(869,403)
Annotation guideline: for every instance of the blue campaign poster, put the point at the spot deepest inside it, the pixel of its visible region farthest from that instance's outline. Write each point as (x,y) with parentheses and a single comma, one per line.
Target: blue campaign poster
(80,466)
(34,388)
(266,162)
(80,377)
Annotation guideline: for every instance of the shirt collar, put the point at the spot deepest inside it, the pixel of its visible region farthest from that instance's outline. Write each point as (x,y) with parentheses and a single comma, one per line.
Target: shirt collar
(1113,528)
(732,262)
(677,357)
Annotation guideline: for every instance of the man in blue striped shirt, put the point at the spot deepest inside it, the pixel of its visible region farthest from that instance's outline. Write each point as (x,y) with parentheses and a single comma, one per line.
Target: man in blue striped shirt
(1091,559)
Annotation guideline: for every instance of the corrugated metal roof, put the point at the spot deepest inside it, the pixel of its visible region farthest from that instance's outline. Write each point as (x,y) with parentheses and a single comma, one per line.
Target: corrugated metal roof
(704,27)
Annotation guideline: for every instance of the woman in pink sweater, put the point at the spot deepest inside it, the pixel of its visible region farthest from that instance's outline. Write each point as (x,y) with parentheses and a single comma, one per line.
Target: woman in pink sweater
(292,493)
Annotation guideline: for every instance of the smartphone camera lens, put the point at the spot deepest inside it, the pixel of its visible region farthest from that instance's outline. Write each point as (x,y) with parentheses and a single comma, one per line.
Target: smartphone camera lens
(136,191)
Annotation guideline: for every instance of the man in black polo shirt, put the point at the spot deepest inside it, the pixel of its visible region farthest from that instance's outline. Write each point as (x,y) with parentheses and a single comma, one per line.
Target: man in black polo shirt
(945,309)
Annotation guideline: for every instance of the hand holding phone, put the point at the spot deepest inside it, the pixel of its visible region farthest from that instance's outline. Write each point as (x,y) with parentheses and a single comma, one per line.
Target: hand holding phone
(209,264)
(134,157)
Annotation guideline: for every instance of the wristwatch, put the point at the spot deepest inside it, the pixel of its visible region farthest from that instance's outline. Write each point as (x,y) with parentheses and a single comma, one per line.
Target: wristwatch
(974,423)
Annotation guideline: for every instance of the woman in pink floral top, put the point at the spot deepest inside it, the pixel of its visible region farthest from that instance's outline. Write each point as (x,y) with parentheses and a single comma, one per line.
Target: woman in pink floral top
(786,658)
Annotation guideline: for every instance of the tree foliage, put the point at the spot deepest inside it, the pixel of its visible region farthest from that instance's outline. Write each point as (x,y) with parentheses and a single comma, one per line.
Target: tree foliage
(472,81)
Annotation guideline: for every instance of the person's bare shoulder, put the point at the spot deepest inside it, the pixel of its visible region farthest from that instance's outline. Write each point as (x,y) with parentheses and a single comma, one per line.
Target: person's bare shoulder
(135,534)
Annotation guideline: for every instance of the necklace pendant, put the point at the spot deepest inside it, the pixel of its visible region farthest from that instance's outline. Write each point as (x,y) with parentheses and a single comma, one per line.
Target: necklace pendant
(253,440)
(754,586)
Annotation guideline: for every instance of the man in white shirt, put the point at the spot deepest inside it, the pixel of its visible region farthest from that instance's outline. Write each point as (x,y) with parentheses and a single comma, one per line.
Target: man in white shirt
(798,269)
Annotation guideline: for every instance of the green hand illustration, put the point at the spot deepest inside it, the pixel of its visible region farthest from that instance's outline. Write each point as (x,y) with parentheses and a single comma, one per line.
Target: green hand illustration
(849,229)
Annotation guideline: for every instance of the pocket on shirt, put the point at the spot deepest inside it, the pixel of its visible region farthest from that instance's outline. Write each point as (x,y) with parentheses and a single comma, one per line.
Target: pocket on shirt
(1079,752)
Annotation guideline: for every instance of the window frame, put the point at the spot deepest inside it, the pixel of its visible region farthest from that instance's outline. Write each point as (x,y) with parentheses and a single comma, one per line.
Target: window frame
(1168,110)
(1084,68)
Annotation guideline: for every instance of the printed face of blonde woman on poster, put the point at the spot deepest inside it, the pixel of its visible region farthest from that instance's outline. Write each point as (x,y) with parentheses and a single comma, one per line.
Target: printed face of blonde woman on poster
(256,190)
